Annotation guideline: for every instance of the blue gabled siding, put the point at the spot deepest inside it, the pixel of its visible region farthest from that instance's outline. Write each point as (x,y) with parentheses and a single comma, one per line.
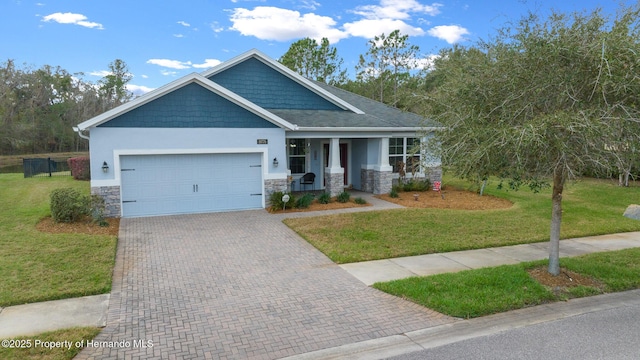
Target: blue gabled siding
(268,88)
(189,107)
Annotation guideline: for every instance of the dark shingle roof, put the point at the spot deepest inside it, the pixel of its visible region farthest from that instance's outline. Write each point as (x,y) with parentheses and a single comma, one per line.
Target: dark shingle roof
(376,114)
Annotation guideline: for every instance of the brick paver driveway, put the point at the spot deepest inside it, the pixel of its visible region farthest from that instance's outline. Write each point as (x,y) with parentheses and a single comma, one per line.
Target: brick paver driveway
(238,285)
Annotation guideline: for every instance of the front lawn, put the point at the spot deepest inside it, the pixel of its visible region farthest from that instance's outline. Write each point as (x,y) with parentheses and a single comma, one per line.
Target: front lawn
(37,266)
(54,345)
(474,293)
(591,207)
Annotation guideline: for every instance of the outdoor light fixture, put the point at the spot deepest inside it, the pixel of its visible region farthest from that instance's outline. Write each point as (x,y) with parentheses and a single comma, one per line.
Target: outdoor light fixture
(105,167)
(275,162)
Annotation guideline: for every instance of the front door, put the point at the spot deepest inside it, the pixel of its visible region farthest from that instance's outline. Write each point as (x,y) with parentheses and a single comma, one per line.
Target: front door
(343,161)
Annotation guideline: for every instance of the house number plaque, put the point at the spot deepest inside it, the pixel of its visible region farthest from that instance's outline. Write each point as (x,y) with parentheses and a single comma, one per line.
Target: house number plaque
(263,141)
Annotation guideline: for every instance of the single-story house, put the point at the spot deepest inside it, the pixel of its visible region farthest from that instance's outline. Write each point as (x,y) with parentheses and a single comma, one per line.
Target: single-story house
(227,138)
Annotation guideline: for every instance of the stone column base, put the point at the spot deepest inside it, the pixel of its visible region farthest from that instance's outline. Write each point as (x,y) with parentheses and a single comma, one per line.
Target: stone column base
(366,180)
(382,182)
(434,173)
(334,183)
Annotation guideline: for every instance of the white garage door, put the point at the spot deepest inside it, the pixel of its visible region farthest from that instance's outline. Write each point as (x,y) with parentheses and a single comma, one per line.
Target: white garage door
(193,183)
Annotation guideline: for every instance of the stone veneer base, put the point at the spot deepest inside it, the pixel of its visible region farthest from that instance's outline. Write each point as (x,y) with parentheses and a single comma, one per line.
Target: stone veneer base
(111,196)
(274,185)
(334,183)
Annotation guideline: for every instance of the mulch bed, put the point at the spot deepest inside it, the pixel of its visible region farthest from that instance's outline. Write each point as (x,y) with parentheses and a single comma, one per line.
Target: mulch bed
(448,199)
(85,226)
(566,280)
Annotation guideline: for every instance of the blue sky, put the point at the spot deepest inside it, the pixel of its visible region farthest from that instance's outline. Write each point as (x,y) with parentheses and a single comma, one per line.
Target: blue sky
(163,40)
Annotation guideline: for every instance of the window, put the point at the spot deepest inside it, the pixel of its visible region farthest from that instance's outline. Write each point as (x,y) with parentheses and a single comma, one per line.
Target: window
(396,153)
(297,156)
(407,151)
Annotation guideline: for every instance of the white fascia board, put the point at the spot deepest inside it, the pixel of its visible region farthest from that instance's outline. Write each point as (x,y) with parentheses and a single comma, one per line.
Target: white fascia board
(360,133)
(285,71)
(365,129)
(177,84)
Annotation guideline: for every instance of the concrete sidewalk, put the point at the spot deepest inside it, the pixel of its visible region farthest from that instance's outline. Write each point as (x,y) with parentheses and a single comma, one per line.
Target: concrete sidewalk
(36,318)
(370,272)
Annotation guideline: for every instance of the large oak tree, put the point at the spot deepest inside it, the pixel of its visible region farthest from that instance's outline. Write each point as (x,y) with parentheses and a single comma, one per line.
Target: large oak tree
(546,100)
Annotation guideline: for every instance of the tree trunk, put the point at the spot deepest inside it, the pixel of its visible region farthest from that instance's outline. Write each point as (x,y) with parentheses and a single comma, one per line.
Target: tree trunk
(556,220)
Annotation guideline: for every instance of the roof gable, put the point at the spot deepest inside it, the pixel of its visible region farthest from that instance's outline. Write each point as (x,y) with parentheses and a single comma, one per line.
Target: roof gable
(304,92)
(268,88)
(191,106)
(177,85)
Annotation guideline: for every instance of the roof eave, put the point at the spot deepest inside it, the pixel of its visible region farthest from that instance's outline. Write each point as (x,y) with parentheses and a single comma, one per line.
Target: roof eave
(367,129)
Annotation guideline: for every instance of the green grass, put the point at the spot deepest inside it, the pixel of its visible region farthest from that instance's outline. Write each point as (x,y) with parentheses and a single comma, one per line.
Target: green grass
(38,351)
(37,266)
(475,293)
(591,207)
(472,293)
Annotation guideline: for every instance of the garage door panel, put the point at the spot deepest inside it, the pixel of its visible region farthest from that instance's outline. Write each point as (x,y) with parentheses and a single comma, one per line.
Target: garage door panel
(175,184)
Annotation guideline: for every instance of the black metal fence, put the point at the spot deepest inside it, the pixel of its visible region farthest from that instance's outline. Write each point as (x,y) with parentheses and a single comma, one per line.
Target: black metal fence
(45,167)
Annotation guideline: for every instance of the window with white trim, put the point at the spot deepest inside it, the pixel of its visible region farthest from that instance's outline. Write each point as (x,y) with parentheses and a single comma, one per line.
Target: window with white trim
(297,156)
(406,151)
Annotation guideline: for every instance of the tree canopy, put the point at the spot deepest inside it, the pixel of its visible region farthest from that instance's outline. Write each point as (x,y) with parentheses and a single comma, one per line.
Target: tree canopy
(39,107)
(315,61)
(545,99)
(387,65)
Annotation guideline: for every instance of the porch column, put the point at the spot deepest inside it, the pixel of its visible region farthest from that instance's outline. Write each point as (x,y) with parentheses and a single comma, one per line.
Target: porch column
(334,174)
(383,172)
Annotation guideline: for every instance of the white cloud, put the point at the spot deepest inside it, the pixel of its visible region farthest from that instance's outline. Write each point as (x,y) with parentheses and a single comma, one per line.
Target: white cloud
(309,4)
(101,73)
(168,73)
(208,63)
(183,23)
(216,27)
(427,62)
(172,64)
(178,35)
(138,90)
(71,18)
(369,28)
(396,9)
(272,23)
(449,33)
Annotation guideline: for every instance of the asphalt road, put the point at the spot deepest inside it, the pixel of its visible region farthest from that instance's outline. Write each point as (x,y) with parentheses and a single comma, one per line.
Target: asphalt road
(604,334)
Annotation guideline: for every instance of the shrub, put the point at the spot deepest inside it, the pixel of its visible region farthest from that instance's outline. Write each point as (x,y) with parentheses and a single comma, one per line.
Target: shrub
(360,201)
(324,198)
(276,201)
(80,167)
(343,197)
(96,210)
(304,201)
(393,193)
(417,185)
(69,205)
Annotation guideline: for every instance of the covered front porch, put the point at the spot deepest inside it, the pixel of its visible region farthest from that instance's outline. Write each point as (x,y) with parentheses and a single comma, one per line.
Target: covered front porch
(333,164)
